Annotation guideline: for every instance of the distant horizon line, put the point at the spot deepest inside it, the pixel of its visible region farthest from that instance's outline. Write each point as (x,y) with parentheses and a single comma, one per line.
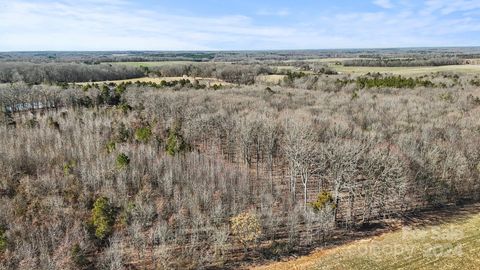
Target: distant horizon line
(253,50)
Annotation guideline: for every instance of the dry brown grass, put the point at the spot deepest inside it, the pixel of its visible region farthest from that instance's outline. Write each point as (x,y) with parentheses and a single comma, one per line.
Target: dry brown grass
(269,79)
(453,244)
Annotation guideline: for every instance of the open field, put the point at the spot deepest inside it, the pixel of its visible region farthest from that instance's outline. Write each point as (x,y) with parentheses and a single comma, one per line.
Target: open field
(450,245)
(467,69)
(269,79)
(331,60)
(207,81)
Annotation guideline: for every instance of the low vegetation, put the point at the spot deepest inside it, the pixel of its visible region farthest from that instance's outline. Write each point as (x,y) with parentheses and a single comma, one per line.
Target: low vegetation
(103,217)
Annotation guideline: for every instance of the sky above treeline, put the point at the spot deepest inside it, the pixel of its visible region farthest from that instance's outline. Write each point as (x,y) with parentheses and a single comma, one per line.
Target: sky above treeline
(31,25)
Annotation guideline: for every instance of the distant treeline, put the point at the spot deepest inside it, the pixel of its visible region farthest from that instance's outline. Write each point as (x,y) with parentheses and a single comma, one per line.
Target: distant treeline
(236,56)
(36,73)
(403,62)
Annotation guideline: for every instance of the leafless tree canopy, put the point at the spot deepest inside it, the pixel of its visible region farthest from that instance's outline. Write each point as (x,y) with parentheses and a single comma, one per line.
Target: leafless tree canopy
(133,177)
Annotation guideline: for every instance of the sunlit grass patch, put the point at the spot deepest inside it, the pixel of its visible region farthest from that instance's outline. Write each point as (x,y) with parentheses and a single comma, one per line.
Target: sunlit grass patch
(453,245)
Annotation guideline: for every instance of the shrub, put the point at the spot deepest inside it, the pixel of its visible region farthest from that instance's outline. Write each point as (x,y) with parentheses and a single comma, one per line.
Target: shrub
(269,91)
(473,100)
(124,107)
(354,95)
(120,89)
(52,123)
(122,161)
(108,97)
(78,257)
(3,240)
(104,95)
(85,101)
(447,97)
(103,218)
(175,142)
(111,146)
(68,167)
(86,87)
(6,118)
(143,134)
(246,228)
(31,123)
(126,215)
(475,83)
(324,199)
(122,134)
(217,86)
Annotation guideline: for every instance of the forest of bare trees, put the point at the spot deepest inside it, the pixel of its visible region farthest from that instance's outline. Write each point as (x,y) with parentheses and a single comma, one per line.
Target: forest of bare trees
(36,73)
(197,178)
(61,73)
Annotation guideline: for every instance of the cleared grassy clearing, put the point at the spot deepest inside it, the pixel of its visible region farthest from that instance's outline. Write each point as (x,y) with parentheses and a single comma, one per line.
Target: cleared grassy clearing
(467,69)
(207,81)
(269,79)
(451,245)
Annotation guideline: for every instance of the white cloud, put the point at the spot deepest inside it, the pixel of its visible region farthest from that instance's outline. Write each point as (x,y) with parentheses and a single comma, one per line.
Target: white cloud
(112,25)
(387,4)
(120,25)
(446,7)
(281,12)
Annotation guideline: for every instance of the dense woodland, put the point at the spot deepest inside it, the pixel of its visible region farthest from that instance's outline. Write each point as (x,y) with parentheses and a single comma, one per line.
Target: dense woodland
(61,73)
(36,73)
(137,176)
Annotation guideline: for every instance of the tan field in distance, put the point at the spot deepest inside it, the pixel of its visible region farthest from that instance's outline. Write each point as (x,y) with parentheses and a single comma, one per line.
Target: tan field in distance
(158,80)
(467,69)
(269,79)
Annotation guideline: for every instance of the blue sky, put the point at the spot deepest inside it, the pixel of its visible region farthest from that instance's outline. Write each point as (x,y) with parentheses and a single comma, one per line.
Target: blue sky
(235,24)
